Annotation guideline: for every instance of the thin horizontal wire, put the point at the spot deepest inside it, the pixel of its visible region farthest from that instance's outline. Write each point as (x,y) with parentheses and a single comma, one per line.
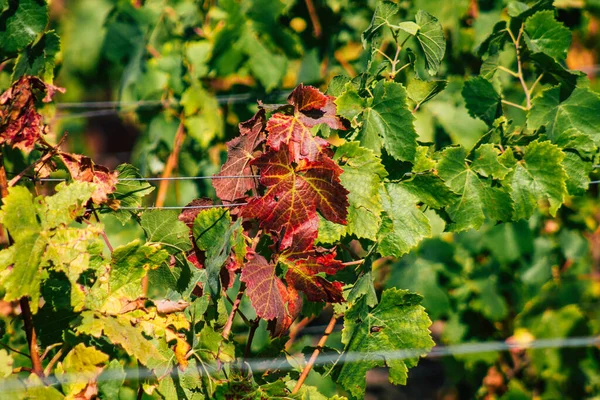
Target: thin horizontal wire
(169,178)
(264,364)
(226,98)
(177,207)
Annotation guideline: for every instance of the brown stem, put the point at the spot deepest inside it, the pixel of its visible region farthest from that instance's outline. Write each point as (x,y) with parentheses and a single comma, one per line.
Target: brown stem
(36,362)
(103,233)
(170,165)
(240,313)
(42,160)
(234,309)
(55,359)
(253,328)
(315,354)
(297,328)
(350,263)
(314,18)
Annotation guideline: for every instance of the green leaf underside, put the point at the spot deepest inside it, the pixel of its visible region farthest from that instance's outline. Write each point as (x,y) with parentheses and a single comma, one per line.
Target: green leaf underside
(432,40)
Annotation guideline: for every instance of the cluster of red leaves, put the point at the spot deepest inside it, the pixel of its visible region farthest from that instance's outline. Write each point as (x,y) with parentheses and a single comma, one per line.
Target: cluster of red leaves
(297,181)
(21,125)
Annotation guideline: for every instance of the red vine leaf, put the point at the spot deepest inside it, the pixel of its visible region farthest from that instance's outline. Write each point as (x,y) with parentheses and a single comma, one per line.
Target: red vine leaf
(279,326)
(311,107)
(21,125)
(266,291)
(305,273)
(83,169)
(295,193)
(241,151)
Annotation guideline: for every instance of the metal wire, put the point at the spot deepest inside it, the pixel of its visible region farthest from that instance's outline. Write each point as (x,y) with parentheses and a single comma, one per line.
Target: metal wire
(180,207)
(282,364)
(167,178)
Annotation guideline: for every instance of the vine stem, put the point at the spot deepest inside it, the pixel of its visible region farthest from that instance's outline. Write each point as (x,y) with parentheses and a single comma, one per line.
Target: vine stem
(234,309)
(315,354)
(36,362)
(170,165)
(253,327)
(314,18)
(517,42)
(297,328)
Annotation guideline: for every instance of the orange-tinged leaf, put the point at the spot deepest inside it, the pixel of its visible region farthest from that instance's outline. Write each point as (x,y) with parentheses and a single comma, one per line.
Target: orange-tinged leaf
(305,272)
(311,107)
(83,169)
(295,193)
(241,151)
(266,291)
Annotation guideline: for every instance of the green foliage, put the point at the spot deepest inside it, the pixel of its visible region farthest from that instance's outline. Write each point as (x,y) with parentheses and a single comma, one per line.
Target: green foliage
(382,199)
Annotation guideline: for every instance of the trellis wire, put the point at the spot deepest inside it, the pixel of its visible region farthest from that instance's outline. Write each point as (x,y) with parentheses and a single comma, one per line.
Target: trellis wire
(115,107)
(283,364)
(166,178)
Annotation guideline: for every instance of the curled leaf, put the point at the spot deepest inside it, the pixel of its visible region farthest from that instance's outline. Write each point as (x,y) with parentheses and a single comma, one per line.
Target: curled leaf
(83,169)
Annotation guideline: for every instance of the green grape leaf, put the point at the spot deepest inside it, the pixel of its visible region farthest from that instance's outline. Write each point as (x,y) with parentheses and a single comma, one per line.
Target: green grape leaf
(421,91)
(430,189)
(119,331)
(129,192)
(164,227)
(349,103)
(111,380)
(478,198)
(432,40)
(581,111)
(39,59)
(486,162)
(575,140)
(423,161)
(404,225)
(578,174)
(362,177)
(36,243)
(383,12)
(377,337)
(389,122)
(538,176)
(546,35)
(482,100)
(84,362)
(20,25)
(495,42)
(215,234)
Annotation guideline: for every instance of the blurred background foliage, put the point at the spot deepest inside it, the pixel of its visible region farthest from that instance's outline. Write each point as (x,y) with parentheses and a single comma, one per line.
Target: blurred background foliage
(138,72)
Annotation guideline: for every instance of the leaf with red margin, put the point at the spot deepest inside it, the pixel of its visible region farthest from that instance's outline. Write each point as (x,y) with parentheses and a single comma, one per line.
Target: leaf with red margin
(21,125)
(266,291)
(305,273)
(240,152)
(83,169)
(278,327)
(295,193)
(311,107)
